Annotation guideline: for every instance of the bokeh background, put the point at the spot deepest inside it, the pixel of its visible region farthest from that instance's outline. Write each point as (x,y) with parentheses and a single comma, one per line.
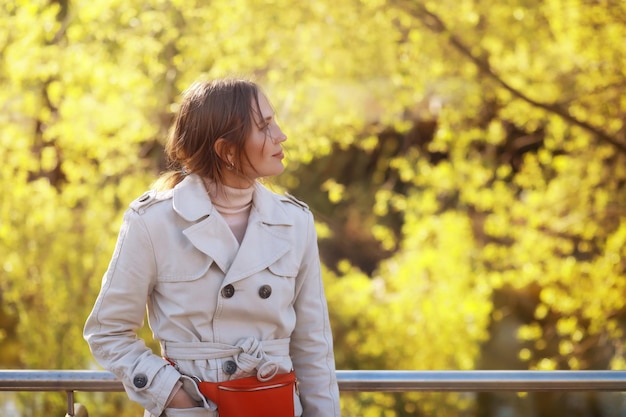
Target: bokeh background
(465,161)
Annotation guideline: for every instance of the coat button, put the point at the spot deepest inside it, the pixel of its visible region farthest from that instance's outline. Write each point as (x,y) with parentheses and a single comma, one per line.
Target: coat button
(228,291)
(265,291)
(230,367)
(140,380)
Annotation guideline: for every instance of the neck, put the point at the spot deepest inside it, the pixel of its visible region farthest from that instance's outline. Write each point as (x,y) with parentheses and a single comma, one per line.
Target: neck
(236,180)
(234,204)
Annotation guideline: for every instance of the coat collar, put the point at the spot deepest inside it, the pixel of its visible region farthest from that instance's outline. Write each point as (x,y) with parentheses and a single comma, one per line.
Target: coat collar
(263,244)
(191,202)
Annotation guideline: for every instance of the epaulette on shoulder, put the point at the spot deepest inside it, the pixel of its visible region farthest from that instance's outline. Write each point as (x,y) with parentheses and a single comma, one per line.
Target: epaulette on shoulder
(147,199)
(291,199)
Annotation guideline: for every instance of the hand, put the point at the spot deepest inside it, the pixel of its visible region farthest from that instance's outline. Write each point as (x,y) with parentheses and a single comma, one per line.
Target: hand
(182,400)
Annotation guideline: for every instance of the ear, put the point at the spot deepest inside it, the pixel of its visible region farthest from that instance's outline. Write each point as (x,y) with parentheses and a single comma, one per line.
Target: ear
(224,150)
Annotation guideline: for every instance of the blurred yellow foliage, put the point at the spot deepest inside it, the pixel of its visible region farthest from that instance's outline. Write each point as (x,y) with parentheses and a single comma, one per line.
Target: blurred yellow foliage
(528,195)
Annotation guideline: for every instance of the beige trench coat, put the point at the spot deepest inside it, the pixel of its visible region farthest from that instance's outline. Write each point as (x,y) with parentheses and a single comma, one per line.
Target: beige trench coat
(219,309)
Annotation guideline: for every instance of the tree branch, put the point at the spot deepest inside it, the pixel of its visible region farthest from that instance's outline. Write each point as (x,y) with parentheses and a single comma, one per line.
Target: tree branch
(434,23)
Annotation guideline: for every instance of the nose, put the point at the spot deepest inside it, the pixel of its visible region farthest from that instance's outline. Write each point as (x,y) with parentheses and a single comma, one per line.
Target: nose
(279,137)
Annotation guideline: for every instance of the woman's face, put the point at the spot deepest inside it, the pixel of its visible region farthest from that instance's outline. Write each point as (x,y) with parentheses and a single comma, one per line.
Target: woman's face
(263,147)
(262,150)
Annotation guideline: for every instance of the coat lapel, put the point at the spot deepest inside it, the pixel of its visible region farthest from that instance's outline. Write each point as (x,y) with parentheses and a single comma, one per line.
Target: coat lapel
(210,234)
(267,236)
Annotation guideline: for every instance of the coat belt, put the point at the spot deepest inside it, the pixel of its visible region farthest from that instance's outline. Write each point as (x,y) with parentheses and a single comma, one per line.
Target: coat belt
(249,354)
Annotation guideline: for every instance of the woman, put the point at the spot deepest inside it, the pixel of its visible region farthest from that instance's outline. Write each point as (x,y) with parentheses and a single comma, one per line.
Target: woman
(229,270)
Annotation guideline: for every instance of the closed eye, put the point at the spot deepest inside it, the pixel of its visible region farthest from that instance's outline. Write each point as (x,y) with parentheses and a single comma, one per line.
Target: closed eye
(266,123)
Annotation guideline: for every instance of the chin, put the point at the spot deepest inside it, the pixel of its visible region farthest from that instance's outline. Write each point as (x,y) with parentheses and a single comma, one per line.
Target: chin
(275,171)
(280,170)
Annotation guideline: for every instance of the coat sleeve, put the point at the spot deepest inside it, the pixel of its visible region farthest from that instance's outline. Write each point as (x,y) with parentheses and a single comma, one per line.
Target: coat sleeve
(118,313)
(311,341)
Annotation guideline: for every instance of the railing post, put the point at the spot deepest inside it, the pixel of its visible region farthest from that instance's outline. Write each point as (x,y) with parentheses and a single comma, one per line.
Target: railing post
(70,404)
(75,409)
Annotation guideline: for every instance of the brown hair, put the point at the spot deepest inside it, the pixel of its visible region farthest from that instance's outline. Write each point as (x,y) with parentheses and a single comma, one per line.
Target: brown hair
(210,110)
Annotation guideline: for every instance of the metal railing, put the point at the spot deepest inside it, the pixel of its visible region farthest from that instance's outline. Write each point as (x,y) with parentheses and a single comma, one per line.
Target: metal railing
(363,381)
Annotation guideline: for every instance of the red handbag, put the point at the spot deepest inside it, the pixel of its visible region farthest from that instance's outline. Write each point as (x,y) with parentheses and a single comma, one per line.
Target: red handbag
(249,397)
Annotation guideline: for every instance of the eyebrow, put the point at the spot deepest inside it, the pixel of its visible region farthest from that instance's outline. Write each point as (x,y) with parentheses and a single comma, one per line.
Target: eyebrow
(268,119)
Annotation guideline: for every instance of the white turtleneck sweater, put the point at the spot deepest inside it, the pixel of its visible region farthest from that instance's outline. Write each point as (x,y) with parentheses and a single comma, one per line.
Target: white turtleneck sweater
(234,204)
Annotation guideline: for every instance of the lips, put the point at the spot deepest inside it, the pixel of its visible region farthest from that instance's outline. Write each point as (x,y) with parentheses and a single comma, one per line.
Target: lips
(279,155)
